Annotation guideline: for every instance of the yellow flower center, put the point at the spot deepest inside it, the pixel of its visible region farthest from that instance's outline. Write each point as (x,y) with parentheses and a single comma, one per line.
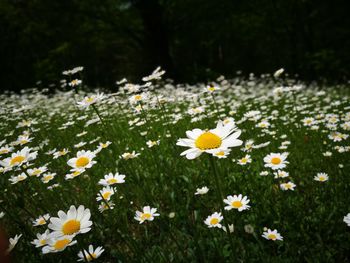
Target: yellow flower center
(42,221)
(82,162)
(138,97)
(208,141)
(17,160)
(236,204)
(272,236)
(211,88)
(36,172)
(214,221)
(221,153)
(244,160)
(43,241)
(91,256)
(112,181)
(106,195)
(61,244)
(70,227)
(90,100)
(322,178)
(145,216)
(4,151)
(21,178)
(276,160)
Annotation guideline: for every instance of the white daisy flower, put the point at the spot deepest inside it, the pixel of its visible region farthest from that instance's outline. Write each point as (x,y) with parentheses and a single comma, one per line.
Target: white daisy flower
(58,244)
(237,202)
(19,158)
(276,161)
(321,177)
(76,221)
(212,141)
(147,214)
(87,101)
(272,235)
(41,239)
(84,160)
(41,220)
(287,186)
(214,220)
(90,254)
(111,179)
(106,193)
(201,191)
(15,179)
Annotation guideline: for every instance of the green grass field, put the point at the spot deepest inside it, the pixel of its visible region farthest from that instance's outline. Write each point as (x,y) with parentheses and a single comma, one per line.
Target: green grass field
(290,160)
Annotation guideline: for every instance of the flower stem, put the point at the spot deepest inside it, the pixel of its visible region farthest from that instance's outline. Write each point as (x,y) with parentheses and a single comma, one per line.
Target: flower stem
(220,198)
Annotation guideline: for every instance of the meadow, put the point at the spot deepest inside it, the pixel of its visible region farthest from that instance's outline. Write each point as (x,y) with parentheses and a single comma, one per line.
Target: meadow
(236,170)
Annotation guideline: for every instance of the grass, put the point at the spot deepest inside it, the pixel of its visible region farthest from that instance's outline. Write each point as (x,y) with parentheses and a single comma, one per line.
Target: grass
(310,218)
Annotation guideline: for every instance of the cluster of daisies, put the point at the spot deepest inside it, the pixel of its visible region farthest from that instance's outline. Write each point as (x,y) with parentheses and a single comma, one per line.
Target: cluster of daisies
(63,230)
(192,104)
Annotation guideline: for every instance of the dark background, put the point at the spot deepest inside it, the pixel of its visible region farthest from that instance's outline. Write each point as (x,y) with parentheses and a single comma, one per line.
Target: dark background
(194,40)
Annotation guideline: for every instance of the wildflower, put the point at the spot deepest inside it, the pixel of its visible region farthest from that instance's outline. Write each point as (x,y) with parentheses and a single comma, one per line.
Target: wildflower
(41,239)
(138,98)
(13,242)
(211,88)
(15,179)
(246,159)
(5,149)
(272,235)
(156,74)
(281,174)
(76,221)
(150,143)
(222,153)
(347,219)
(75,82)
(264,173)
(287,186)
(58,244)
(106,193)
(106,205)
(128,155)
(212,141)
(47,177)
(147,214)
(111,179)
(202,191)
(19,158)
(91,254)
(87,101)
(237,202)
(37,171)
(278,72)
(276,160)
(214,220)
(41,220)
(230,227)
(321,177)
(83,160)
(60,153)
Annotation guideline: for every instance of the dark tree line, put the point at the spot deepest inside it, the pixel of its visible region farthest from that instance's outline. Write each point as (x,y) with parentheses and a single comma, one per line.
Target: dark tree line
(192,39)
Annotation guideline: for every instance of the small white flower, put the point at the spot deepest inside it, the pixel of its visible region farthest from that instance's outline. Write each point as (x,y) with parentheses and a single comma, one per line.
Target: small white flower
(202,191)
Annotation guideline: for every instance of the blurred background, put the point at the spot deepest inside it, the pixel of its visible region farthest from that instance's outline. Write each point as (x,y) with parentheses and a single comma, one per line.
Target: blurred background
(194,40)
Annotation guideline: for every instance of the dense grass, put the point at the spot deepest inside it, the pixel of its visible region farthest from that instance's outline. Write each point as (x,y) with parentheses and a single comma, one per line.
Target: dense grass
(310,218)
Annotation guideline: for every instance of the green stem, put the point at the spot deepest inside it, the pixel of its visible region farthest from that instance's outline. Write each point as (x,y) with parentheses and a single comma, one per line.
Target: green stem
(220,198)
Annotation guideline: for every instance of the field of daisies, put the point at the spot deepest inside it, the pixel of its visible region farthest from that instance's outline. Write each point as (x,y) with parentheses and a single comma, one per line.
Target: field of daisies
(237,170)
